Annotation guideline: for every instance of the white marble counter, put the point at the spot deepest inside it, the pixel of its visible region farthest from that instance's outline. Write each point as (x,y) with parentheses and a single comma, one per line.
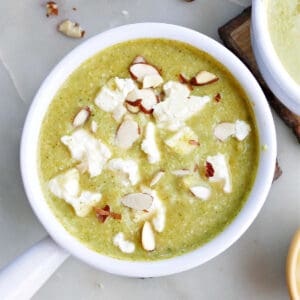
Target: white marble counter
(253,268)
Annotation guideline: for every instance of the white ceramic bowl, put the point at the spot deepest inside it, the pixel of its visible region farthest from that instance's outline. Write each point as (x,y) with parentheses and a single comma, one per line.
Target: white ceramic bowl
(44,96)
(275,75)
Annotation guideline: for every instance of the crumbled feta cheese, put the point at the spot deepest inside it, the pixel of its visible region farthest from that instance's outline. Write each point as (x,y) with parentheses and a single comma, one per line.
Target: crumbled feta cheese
(90,151)
(180,141)
(239,130)
(66,186)
(221,171)
(178,106)
(149,145)
(108,99)
(201,192)
(242,130)
(157,211)
(125,246)
(119,112)
(128,170)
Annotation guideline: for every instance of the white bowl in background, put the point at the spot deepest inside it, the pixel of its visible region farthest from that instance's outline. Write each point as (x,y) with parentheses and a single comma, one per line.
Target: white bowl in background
(276,76)
(39,107)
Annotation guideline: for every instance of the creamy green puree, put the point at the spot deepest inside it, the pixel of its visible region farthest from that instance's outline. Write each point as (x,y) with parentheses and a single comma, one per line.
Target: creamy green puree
(284,27)
(190,222)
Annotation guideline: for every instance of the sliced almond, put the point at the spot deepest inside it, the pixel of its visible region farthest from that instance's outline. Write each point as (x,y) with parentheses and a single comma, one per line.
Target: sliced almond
(137,201)
(181,173)
(203,78)
(224,130)
(127,134)
(81,117)
(152,81)
(201,192)
(71,29)
(148,239)
(132,108)
(139,60)
(141,70)
(157,178)
(183,78)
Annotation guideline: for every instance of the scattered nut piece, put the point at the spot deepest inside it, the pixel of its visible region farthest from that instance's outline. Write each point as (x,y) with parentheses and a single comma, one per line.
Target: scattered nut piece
(148,240)
(139,71)
(71,29)
(203,78)
(183,78)
(52,8)
(157,178)
(218,97)
(137,201)
(81,117)
(103,214)
(181,173)
(127,134)
(139,60)
(194,142)
(209,170)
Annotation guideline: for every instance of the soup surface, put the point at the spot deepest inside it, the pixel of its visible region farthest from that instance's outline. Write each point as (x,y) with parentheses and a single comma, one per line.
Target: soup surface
(148,158)
(284,27)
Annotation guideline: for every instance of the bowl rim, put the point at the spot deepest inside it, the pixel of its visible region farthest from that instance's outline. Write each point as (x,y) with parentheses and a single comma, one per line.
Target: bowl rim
(277,77)
(39,106)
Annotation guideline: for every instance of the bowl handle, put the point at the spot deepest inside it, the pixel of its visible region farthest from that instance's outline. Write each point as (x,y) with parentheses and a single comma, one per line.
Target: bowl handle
(28,272)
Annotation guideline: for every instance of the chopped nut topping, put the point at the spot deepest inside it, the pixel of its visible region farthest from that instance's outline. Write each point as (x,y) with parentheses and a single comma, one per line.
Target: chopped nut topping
(209,170)
(52,9)
(103,214)
(71,29)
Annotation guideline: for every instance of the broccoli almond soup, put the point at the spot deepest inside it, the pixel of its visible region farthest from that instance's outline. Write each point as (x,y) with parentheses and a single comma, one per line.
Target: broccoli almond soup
(148,150)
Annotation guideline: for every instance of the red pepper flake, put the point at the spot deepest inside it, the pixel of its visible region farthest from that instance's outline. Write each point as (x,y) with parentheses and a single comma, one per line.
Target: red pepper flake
(209,170)
(194,142)
(218,97)
(52,9)
(104,213)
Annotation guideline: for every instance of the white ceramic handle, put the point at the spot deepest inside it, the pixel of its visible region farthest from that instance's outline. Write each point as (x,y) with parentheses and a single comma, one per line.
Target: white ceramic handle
(27,273)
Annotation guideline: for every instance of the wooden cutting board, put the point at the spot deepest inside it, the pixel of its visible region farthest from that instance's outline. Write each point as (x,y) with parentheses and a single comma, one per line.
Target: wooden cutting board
(236,37)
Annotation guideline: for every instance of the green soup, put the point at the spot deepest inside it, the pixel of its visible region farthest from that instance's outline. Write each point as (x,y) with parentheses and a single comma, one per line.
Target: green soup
(189,222)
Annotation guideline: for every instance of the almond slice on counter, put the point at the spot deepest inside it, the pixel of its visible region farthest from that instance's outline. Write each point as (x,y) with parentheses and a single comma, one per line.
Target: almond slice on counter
(203,78)
(157,178)
(137,201)
(201,192)
(181,172)
(148,239)
(127,134)
(71,29)
(139,60)
(224,130)
(82,116)
(140,70)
